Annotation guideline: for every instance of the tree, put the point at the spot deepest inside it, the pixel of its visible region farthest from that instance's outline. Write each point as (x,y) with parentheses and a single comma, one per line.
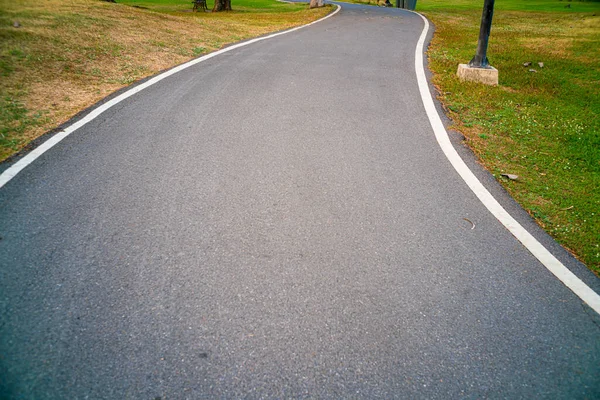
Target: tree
(316,3)
(222,5)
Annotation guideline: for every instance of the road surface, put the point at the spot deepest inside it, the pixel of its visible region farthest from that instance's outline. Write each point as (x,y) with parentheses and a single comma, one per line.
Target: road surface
(279,221)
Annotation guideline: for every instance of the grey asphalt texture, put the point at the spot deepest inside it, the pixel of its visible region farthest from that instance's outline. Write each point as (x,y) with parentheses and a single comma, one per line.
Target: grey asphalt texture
(279,222)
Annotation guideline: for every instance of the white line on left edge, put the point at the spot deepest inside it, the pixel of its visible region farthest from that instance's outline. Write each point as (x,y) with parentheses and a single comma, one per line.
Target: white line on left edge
(538,250)
(17,167)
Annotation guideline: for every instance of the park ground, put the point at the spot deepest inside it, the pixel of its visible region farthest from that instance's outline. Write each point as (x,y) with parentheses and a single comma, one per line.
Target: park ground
(540,123)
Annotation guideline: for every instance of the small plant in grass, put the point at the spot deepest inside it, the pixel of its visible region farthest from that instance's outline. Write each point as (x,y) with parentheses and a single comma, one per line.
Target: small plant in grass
(15,119)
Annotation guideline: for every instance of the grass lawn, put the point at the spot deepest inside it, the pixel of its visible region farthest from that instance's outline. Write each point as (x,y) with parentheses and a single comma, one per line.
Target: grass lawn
(66,55)
(542,125)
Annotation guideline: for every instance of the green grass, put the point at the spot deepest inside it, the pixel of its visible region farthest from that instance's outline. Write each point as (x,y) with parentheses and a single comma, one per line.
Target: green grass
(510,5)
(505,5)
(15,119)
(543,126)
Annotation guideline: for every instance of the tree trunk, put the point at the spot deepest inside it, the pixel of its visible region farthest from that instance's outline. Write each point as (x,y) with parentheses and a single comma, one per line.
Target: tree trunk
(316,3)
(222,5)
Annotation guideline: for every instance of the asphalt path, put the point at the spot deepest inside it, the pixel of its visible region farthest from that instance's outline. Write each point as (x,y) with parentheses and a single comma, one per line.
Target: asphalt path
(279,221)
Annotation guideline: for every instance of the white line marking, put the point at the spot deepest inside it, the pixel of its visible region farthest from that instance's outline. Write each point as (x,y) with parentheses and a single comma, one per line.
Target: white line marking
(584,292)
(11,172)
(536,248)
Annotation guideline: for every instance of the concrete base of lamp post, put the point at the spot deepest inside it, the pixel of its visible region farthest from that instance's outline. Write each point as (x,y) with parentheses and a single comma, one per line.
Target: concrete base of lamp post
(488,76)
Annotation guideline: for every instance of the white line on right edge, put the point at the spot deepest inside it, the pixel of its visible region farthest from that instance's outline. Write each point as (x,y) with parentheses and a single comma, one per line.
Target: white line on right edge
(584,292)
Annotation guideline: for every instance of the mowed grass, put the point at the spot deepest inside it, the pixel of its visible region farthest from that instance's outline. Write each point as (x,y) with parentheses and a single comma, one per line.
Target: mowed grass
(67,55)
(542,125)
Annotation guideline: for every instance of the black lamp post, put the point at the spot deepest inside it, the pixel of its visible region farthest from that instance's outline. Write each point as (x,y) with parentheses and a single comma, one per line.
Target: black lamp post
(480,60)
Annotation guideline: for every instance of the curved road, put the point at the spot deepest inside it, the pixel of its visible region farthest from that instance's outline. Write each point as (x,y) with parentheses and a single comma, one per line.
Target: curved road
(279,221)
